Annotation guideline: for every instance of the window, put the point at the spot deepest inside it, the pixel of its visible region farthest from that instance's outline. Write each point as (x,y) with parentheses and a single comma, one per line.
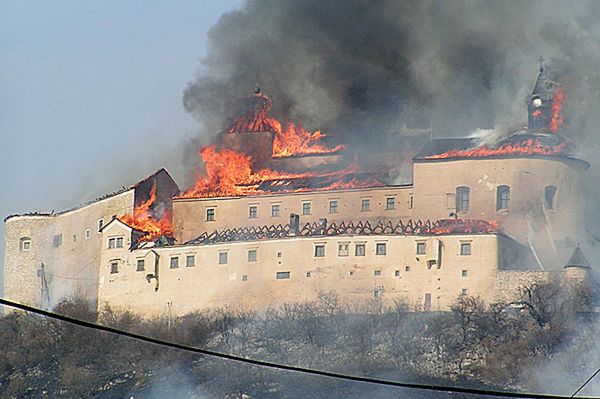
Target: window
(252,255)
(351,272)
(333,206)
(74,238)
(319,250)
(464,273)
(174,262)
(210,215)
(307,274)
(359,250)
(549,195)
(222,258)
(87,234)
(420,248)
(397,273)
(343,249)
(282,275)
(275,211)
(119,242)
(245,277)
(365,205)
(410,201)
(140,265)
(114,267)
(190,260)
(376,294)
(306,208)
(100,224)
(502,197)
(407,268)
(427,304)
(380,248)
(279,254)
(463,291)
(462,199)
(57,240)
(25,244)
(253,212)
(465,248)
(111,242)
(390,203)
(377,273)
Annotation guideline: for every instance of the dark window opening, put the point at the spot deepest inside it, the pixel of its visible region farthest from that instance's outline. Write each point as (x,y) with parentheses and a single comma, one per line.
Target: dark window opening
(253,212)
(502,197)
(319,251)
(380,248)
(140,265)
(282,275)
(462,199)
(190,261)
(210,215)
(549,196)
(114,267)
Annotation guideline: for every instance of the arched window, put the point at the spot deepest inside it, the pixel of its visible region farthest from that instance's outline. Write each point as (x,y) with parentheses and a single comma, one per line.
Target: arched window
(462,199)
(549,196)
(502,197)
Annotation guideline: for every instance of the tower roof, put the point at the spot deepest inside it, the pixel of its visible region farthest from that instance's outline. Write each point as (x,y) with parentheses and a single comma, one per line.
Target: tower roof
(544,87)
(577,260)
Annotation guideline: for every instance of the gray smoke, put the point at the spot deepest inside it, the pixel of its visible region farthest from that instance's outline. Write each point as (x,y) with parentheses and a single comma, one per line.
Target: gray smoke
(365,69)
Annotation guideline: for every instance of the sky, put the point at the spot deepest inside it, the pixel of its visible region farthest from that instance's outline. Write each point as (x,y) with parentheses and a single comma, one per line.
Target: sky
(91,95)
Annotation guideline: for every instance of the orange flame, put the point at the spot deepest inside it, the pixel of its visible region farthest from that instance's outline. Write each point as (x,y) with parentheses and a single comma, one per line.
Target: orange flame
(289,141)
(556,119)
(144,220)
(229,173)
(528,147)
(465,226)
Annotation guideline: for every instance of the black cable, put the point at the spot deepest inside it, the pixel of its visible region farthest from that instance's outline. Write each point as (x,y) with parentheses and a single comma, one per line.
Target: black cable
(585,383)
(261,363)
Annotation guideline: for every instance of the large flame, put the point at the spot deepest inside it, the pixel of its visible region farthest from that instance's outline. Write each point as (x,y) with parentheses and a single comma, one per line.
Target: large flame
(556,119)
(288,140)
(527,147)
(144,220)
(229,173)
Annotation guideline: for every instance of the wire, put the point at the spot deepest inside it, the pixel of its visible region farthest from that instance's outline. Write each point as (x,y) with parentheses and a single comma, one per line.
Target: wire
(262,363)
(585,383)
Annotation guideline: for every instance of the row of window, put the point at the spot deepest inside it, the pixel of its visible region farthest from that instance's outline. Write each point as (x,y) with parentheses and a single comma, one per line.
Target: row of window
(502,197)
(381,249)
(365,206)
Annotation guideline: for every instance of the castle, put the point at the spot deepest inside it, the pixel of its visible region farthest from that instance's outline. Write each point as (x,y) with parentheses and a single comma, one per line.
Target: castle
(476,219)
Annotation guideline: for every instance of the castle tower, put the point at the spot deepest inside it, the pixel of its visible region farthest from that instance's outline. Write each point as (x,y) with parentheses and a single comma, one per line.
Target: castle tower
(539,104)
(577,267)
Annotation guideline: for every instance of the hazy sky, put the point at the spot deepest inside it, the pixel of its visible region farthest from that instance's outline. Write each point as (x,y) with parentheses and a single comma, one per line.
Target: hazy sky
(91,95)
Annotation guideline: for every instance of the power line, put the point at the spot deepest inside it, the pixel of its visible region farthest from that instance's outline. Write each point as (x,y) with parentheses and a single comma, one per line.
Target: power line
(261,363)
(585,383)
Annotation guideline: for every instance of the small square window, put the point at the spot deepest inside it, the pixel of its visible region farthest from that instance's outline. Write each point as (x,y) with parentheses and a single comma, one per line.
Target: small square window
(464,273)
(114,267)
(87,234)
(307,274)
(333,206)
(380,248)
(279,254)
(174,262)
(390,203)
(222,258)
(119,242)
(376,294)
(25,244)
(112,242)
(351,272)
(397,273)
(275,211)
(463,291)
(377,273)
(420,248)
(245,277)
(306,208)
(253,212)
(282,275)
(359,250)
(365,205)
(407,269)
(343,249)
(57,240)
(210,215)
(140,265)
(319,251)
(465,248)
(190,260)
(252,255)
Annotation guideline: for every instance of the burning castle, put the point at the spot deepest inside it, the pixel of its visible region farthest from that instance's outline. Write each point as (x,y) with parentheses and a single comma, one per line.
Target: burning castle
(282,214)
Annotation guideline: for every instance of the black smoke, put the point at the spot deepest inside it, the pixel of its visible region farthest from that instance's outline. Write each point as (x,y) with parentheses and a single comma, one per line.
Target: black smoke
(370,68)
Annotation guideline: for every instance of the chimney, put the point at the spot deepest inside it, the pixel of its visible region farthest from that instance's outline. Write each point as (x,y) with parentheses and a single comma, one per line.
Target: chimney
(294,224)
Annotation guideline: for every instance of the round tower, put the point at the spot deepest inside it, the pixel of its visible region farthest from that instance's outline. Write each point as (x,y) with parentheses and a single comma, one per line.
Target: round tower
(577,268)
